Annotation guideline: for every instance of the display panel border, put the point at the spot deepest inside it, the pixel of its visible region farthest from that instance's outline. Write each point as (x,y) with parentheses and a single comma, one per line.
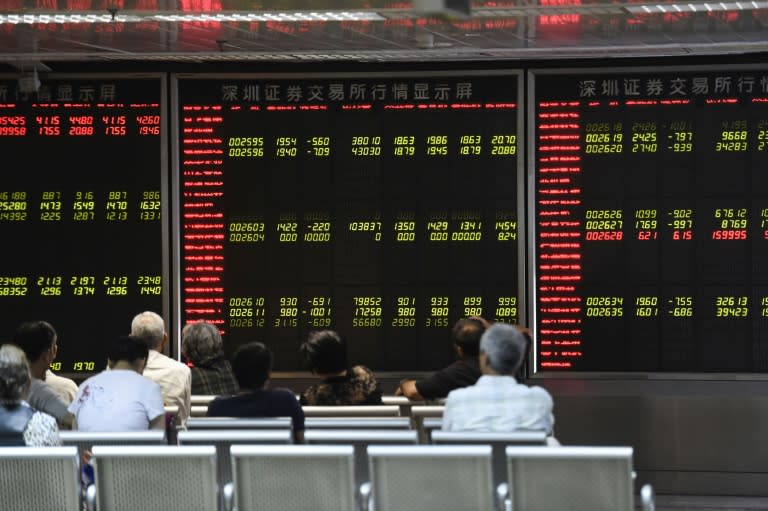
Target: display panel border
(531,75)
(162,82)
(177,78)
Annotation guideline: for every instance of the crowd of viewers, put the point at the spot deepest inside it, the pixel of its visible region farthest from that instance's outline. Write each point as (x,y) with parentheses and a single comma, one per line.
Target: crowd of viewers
(482,387)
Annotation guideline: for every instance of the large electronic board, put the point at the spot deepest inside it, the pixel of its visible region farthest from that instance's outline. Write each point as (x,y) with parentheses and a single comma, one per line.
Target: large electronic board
(80,209)
(650,219)
(382,206)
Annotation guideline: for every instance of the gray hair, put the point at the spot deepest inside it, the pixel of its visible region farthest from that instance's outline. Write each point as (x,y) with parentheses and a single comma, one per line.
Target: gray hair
(14,374)
(150,328)
(201,343)
(505,347)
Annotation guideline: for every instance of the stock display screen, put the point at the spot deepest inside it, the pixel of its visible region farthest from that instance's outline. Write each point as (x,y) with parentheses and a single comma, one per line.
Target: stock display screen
(80,210)
(651,220)
(382,207)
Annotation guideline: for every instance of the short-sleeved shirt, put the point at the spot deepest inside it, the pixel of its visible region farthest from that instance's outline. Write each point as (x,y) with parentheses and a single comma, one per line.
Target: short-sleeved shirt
(43,398)
(498,403)
(260,403)
(175,380)
(462,373)
(117,400)
(357,386)
(215,379)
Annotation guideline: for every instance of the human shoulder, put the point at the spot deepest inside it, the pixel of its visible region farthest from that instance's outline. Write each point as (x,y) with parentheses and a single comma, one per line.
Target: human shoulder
(41,431)
(159,360)
(360,372)
(541,393)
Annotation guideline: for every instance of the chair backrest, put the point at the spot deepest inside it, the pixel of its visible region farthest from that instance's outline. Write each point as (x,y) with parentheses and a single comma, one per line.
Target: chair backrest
(157,478)
(198,410)
(497,441)
(85,440)
(239,423)
(357,423)
(223,439)
(40,478)
(573,478)
(293,477)
(421,413)
(360,439)
(201,399)
(352,411)
(428,425)
(403,402)
(431,478)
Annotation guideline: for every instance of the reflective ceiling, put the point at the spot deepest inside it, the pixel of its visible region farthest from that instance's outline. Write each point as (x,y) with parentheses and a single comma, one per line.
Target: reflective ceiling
(37,31)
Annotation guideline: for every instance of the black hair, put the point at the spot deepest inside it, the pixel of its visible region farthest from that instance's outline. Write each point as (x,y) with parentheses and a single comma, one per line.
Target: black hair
(466,334)
(252,364)
(325,352)
(128,349)
(34,338)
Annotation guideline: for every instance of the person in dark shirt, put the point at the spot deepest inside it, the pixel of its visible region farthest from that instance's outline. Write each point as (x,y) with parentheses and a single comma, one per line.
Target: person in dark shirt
(464,372)
(326,354)
(252,365)
(211,372)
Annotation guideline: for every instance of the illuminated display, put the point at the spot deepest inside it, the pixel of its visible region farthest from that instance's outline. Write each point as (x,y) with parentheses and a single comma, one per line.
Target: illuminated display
(80,210)
(383,208)
(650,221)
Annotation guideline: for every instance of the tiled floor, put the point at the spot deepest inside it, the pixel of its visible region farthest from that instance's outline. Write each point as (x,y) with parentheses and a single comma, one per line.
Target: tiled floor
(697,503)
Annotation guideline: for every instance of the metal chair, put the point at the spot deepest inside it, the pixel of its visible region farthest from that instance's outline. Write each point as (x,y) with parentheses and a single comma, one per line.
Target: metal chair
(428,425)
(41,478)
(239,423)
(157,478)
(223,439)
(352,411)
(421,413)
(497,441)
(430,478)
(360,440)
(85,440)
(573,478)
(294,477)
(357,423)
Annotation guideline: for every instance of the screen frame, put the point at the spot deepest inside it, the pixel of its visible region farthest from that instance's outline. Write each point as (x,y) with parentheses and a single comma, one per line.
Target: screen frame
(531,99)
(177,78)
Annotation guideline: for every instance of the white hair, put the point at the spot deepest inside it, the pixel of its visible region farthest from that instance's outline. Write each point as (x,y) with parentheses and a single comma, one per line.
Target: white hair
(149,327)
(504,346)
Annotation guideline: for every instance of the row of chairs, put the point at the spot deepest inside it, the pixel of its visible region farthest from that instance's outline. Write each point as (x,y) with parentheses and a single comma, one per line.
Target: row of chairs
(321,478)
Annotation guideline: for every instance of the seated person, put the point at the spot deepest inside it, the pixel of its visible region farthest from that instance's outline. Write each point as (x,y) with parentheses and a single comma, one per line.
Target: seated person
(65,388)
(326,354)
(212,374)
(497,402)
(120,399)
(465,336)
(252,364)
(38,341)
(20,424)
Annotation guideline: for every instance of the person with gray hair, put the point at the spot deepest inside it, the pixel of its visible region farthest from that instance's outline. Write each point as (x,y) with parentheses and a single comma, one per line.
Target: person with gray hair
(203,347)
(174,378)
(20,424)
(497,402)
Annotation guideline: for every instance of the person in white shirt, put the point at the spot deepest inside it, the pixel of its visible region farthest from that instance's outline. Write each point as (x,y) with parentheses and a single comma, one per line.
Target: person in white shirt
(497,403)
(120,399)
(65,388)
(174,378)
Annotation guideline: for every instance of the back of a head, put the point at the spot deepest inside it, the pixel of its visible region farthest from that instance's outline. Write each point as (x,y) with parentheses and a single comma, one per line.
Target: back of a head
(325,352)
(34,338)
(201,343)
(466,334)
(127,348)
(148,327)
(252,364)
(14,374)
(505,348)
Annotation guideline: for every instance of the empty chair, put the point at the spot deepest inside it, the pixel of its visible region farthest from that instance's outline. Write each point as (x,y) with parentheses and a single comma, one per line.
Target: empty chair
(430,478)
(573,478)
(239,423)
(357,423)
(360,439)
(292,477)
(41,478)
(352,411)
(497,441)
(222,439)
(157,478)
(85,440)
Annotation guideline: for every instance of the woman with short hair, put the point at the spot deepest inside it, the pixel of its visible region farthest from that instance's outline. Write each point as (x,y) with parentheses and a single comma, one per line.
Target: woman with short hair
(212,373)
